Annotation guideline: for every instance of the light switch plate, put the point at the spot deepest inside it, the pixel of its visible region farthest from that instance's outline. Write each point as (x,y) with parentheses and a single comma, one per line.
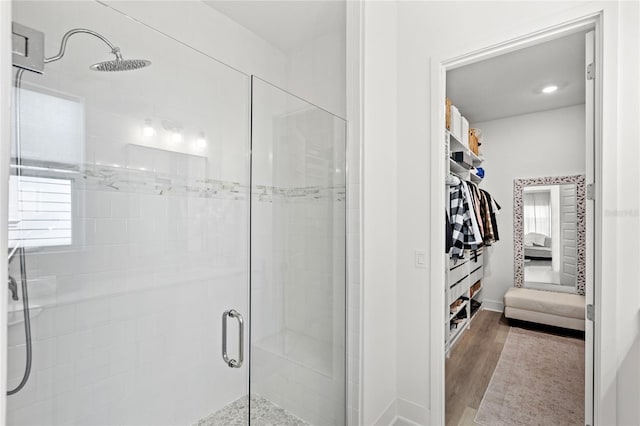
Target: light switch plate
(420,259)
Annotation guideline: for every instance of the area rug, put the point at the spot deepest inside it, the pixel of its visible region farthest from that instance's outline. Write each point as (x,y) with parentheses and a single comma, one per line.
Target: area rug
(539,380)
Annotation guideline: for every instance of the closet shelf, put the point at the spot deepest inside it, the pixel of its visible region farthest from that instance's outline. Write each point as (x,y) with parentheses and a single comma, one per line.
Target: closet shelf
(455,145)
(455,334)
(457,168)
(476,292)
(475,313)
(457,311)
(476,160)
(461,275)
(475,178)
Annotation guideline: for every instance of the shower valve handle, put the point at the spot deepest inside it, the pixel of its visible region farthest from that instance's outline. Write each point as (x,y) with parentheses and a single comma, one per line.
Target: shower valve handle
(13,288)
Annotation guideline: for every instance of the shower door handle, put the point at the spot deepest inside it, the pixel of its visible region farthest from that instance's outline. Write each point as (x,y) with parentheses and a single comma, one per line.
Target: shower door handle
(225,356)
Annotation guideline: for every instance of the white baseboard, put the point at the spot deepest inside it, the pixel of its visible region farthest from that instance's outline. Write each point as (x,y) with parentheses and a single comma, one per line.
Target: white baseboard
(412,412)
(404,413)
(401,421)
(389,415)
(493,305)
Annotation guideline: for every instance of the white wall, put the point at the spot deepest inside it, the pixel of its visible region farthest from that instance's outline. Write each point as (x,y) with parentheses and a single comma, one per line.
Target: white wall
(623,220)
(316,72)
(548,143)
(379,215)
(422,27)
(197,25)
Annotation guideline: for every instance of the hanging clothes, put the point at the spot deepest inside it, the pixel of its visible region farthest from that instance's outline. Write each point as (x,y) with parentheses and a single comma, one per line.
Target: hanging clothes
(493,212)
(448,235)
(485,210)
(475,195)
(471,222)
(495,207)
(475,228)
(462,227)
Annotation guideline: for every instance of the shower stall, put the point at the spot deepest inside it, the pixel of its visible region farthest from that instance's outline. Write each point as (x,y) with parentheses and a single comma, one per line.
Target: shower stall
(176,230)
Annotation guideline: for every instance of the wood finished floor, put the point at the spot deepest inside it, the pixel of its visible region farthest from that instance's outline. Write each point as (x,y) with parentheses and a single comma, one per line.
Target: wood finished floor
(471,364)
(474,357)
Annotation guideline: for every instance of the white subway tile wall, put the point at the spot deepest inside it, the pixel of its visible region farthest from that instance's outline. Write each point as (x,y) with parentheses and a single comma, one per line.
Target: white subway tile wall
(126,327)
(299,359)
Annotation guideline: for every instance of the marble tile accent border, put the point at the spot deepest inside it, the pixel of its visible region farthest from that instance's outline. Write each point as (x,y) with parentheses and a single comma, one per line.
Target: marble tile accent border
(138,181)
(269,193)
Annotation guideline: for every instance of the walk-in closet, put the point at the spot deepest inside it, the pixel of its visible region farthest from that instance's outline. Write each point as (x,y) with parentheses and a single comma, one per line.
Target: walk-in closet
(519,144)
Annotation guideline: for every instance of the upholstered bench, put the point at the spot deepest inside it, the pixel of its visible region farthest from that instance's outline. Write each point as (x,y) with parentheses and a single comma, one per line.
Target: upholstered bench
(545,307)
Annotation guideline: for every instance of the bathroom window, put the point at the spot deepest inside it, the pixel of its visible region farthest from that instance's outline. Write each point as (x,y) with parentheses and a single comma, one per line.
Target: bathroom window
(39,211)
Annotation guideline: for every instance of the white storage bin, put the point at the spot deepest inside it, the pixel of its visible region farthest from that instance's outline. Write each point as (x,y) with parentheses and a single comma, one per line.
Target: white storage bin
(456,262)
(457,273)
(459,289)
(474,262)
(456,123)
(476,273)
(464,134)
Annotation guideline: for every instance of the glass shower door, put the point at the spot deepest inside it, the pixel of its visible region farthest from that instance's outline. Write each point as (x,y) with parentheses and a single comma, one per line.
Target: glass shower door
(132,206)
(298,261)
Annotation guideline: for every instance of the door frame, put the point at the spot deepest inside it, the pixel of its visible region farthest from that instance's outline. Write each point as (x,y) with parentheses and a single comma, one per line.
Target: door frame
(438,70)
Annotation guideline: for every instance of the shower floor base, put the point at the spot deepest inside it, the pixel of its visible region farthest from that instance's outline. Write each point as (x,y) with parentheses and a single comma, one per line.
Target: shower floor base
(263,413)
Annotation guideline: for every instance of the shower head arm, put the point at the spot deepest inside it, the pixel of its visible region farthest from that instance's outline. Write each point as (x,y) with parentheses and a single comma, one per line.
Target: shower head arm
(63,44)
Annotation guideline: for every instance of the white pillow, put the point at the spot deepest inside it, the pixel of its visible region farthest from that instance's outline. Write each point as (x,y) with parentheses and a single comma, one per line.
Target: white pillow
(533,238)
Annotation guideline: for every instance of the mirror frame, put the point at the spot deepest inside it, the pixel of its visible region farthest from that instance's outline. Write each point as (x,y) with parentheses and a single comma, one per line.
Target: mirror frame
(518,224)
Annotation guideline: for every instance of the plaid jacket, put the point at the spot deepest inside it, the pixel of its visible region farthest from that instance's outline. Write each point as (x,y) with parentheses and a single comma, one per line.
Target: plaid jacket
(461,226)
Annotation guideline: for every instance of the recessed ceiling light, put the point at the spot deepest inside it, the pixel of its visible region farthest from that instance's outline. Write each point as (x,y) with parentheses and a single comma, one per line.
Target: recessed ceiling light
(549,89)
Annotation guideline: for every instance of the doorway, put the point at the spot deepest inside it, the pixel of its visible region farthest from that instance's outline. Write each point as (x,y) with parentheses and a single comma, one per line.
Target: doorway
(591,146)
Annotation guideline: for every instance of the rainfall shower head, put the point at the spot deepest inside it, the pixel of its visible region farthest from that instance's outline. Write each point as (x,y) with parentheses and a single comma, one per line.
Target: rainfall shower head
(120,65)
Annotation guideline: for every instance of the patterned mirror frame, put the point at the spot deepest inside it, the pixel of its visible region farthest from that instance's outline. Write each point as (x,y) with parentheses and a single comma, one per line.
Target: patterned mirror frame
(518,224)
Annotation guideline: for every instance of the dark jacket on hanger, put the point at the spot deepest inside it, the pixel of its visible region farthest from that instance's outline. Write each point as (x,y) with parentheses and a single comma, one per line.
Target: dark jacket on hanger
(448,235)
(494,222)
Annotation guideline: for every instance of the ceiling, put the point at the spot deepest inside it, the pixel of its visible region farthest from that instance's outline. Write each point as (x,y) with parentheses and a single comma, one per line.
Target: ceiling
(285,24)
(511,84)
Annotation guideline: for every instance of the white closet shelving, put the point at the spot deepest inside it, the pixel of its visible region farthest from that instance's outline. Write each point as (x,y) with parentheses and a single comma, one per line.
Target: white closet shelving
(464,283)
(464,277)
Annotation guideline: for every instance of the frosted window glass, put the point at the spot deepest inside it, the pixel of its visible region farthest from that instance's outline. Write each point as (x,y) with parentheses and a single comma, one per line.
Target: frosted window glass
(39,211)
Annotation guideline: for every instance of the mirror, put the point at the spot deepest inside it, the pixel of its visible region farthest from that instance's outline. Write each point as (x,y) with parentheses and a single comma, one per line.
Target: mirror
(549,233)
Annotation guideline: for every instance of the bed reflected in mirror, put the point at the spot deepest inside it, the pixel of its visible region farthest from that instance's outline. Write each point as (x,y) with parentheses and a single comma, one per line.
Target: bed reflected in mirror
(547,233)
(550,248)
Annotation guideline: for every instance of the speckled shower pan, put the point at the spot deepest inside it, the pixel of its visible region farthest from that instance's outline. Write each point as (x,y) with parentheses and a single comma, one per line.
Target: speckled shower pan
(539,380)
(263,413)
